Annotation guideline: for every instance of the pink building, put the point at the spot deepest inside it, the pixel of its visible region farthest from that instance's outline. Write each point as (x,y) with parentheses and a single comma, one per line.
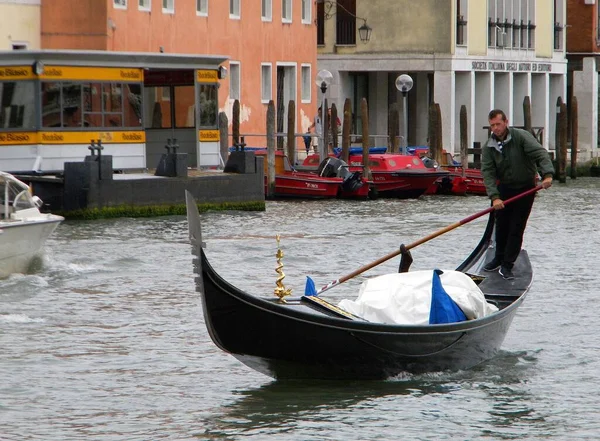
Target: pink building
(270,45)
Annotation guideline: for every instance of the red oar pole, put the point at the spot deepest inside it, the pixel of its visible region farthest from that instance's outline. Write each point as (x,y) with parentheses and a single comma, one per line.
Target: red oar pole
(421,241)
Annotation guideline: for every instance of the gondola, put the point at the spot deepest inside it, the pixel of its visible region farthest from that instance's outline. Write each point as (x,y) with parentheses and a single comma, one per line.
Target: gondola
(309,338)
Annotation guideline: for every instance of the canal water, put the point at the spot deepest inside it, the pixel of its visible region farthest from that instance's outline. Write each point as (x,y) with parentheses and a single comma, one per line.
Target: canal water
(106,341)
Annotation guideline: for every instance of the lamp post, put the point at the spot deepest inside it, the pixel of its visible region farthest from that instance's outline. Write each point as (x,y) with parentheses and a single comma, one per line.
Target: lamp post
(323,80)
(404,83)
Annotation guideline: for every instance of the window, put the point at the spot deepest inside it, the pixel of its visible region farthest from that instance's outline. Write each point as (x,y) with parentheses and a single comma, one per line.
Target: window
(202,7)
(81,105)
(112,104)
(492,33)
(531,24)
(144,5)
(286,11)
(558,27)
(306,11)
(345,23)
(320,23)
(511,23)
(234,80)
(17,104)
(19,46)
(461,22)
(120,4)
(267,82)
(234,8)
(516,26)
(208,107)
(267,10)
(165,93)
(184,108)
(168,6)
(306,83)
(158,111)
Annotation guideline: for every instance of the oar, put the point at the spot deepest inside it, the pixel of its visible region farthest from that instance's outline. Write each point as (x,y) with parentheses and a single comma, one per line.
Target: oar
(310,286)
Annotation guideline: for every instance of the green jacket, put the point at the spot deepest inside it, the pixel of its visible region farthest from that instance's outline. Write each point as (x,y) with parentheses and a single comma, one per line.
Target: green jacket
(515,164)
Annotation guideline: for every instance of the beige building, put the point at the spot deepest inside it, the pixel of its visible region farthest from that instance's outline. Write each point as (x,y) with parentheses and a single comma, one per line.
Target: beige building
(20,24)
(483,54)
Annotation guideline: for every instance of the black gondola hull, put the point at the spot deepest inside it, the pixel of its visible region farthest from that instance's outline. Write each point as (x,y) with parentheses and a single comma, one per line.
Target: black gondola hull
(286,341)
(294,340)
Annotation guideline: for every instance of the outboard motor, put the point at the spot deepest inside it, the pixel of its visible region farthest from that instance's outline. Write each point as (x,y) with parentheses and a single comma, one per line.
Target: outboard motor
(336,168)
(352,182)
(333,168)
(429,162)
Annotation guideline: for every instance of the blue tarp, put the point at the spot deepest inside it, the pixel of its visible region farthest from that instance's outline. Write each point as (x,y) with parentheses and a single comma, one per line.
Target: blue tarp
(358,150)
(443,308)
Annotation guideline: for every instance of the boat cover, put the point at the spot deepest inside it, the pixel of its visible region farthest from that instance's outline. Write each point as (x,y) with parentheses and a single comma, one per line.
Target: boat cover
(406,298)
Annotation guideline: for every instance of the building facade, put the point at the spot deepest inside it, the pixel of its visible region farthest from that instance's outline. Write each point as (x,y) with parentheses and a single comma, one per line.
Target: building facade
(270,46)
(480,54)
(19,24)
(583,53)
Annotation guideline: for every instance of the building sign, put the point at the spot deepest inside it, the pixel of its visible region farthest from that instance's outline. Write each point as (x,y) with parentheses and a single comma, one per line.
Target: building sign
(18,138)
(92,74)
(510,66)
(13,73)
(207,76)
(87,137)
(209,135)
(80,137)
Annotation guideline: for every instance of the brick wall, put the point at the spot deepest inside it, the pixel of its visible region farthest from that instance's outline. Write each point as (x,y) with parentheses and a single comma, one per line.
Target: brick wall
(581,33)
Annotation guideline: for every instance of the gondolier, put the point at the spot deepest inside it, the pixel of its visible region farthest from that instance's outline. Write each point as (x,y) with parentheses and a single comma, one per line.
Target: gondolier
(510,163)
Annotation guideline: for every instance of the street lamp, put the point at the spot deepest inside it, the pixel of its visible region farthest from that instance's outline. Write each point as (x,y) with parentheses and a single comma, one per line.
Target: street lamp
(364,32)
(404,83)
(323,80)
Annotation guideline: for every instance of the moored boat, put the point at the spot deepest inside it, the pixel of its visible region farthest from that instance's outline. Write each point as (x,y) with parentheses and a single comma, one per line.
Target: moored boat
(24,228)
(332,180)
(399,176)
(456,182)
(393,174)
(308,337)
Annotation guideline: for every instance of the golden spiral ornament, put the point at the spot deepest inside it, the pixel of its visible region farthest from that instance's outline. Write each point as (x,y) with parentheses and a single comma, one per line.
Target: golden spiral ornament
(281,291)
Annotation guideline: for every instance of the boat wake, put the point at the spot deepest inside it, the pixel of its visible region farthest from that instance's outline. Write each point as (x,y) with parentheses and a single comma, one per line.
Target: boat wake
(19,318)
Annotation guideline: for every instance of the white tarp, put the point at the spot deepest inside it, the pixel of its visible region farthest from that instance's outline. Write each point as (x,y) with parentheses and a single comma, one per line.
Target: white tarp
(405,298)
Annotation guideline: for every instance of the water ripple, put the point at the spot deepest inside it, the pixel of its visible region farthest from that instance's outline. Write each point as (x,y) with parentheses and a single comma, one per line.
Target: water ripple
(106,341)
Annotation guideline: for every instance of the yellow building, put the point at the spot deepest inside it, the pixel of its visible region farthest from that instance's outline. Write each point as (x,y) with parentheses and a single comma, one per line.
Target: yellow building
(20,24)
(483,54)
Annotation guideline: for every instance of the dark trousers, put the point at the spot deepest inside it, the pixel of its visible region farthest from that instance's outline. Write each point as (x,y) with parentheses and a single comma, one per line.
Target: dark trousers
(510,224)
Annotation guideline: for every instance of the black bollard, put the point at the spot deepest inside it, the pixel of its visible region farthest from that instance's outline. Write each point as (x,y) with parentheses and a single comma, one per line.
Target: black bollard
(99,148)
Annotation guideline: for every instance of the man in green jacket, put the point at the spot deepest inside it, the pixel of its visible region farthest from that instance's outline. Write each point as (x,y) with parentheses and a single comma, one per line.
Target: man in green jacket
(510,162)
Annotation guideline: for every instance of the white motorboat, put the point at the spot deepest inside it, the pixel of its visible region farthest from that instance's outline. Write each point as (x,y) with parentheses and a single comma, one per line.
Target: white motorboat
(23,228)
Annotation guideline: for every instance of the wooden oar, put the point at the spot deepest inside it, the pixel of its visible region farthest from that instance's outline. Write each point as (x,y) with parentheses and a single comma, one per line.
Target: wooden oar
(421,241)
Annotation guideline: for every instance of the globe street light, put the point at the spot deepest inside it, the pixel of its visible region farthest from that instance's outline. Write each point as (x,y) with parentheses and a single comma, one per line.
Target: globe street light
(323,80)
(404,83)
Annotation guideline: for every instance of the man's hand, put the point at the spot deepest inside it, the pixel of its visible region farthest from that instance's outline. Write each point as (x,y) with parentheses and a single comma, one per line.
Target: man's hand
(547,182)
(498,204)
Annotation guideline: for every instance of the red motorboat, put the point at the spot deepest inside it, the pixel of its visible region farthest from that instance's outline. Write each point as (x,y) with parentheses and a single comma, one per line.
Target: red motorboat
(394,174)
(397,175)
(455,183)
(333,180)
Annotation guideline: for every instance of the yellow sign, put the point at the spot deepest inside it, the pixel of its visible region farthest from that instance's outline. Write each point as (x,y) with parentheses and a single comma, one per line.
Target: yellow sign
(23,138)
(207,76)
(209,135)
(13,73)
(92,74)
(18,138)
(87,137)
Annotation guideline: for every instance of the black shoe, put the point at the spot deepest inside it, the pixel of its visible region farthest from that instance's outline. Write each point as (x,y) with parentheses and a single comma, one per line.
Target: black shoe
(492,265)
(506,273)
